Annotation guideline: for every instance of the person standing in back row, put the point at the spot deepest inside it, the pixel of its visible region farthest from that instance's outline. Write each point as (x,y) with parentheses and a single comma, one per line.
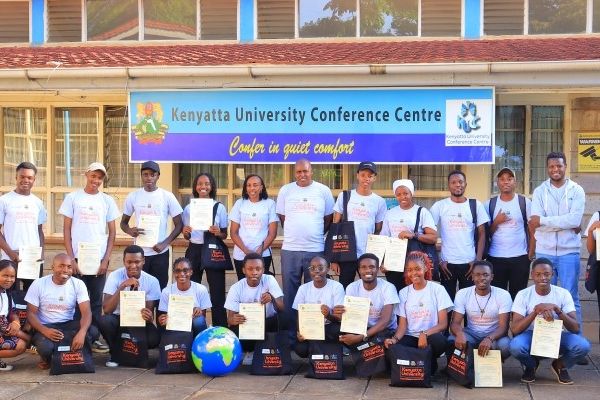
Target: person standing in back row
(367,210)
(509,238)
(150,200)
(457,227)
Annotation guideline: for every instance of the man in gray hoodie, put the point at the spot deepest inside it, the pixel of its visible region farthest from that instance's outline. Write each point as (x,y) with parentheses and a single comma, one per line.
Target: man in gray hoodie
(556,211)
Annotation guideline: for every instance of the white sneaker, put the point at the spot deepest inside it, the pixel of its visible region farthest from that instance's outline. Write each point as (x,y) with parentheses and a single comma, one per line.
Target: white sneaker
(5,367)
(99,347)
(248,357)
(112,364)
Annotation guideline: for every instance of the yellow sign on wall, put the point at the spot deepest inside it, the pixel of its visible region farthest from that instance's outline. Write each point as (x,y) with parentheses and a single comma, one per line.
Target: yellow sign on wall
(588,152)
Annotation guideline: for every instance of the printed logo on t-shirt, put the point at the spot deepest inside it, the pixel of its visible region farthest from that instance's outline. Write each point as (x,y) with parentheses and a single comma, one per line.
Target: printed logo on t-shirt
(87,215)
(457,223)
(358,212)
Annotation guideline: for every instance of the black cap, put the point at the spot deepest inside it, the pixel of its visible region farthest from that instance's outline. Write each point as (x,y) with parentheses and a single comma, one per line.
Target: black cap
(151,165)
(367,165)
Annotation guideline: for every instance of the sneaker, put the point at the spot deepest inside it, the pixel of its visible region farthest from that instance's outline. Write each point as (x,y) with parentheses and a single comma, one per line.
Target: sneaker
(112,364)
(345,351)
(248,357)
(562,375)
(529,372)
(99,347)
(5,367)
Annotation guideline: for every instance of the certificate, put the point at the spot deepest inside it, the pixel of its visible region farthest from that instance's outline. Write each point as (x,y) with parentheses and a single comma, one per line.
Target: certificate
(377,244)
(395,254)
(546,337)
(201,214)
(29,266)
(88,258)
(150,224)
(488,369)
(254,327)
(356,315)
(131,304)
(311,322)
(179,313)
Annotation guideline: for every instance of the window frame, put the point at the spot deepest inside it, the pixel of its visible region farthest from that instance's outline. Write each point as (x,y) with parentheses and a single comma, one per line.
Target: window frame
(30,35)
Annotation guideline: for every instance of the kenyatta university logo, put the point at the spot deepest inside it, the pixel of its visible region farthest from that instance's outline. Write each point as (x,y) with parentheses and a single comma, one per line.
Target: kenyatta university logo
(149,128)
(469,122)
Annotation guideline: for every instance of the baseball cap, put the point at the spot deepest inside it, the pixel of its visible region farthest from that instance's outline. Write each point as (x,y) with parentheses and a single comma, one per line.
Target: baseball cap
(367,165)
(151,165)
(96,166)
(506,170)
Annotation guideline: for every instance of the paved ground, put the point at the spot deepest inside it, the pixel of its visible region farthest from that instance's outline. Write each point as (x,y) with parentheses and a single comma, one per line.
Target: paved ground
(27,382)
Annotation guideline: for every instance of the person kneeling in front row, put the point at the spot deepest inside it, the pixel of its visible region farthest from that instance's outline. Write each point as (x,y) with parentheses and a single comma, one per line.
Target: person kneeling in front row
(256,287)
(129,277)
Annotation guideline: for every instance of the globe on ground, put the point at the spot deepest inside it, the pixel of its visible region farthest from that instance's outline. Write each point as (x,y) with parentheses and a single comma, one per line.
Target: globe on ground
(216,351)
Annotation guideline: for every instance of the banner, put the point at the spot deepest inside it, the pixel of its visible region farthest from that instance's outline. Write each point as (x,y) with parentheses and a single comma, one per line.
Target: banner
(425,125)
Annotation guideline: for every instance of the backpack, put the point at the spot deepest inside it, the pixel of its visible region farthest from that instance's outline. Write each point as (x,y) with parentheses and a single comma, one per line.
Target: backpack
(486,227)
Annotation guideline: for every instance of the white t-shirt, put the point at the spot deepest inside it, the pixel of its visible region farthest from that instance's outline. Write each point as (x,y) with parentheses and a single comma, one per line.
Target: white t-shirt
(197,291)
(304,209)
(148,284)
(397,220)
(197,236)
(528,298)
(159,202)
(365,211)
(56,303)
(332,294)
(595,217)
(383,294)
(4,306)
(90,214)
(241,292)
(254,220)
(510,239)
(456,229)
(421,307)
(20,216)
(469,303)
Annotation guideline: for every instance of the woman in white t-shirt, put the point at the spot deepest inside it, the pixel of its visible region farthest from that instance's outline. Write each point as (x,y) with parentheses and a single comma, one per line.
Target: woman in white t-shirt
(205,187)
(400,222)
(253,224)
(591,243)
(13,341)
(423,310)
(184,286)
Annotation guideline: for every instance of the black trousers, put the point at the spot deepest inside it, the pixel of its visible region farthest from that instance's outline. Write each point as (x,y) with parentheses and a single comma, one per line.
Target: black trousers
(216,283)
(459,272)
(95,287)
(510,273)
(396,278)
(109,327)
(158,266)
(271,325)
(348,271)
(239,264)
(437,341)
(332,335)
(45,346)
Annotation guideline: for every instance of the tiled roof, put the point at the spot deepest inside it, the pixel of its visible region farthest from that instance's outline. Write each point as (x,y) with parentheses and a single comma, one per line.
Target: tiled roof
(305,53)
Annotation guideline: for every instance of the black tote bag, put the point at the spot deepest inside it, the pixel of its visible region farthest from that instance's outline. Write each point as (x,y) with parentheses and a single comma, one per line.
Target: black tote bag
(325,360)
(460,366)
(66,361)
(215,254)
(411,367)
(174,353)
(272,356)
(369,358)
(340,243)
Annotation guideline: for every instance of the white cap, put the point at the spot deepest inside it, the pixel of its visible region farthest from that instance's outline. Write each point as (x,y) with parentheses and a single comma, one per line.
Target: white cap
(96,166)
(406,183)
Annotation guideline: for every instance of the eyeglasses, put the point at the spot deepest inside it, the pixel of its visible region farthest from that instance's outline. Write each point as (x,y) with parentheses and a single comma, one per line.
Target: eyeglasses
(182,271)
(317,268)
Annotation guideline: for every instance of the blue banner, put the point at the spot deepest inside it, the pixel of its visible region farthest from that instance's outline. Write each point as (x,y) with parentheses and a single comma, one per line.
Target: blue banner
(425,125)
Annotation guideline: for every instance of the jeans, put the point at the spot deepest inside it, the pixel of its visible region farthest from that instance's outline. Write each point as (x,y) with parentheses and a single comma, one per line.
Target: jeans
(566,275)
(572,348)
(474,338)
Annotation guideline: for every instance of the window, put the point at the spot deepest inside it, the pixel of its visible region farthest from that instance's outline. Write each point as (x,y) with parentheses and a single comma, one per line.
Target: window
(112,19)
(218,19)
(62,142)
(503,17)
(64,20)
(596,16)
(175,19)
(557,16)
(389,18)
(322,18)
(440,17)
(514,141)
(14,22)
(275,19)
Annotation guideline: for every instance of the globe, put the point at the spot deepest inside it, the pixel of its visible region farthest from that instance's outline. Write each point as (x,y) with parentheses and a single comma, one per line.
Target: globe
(216,351)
